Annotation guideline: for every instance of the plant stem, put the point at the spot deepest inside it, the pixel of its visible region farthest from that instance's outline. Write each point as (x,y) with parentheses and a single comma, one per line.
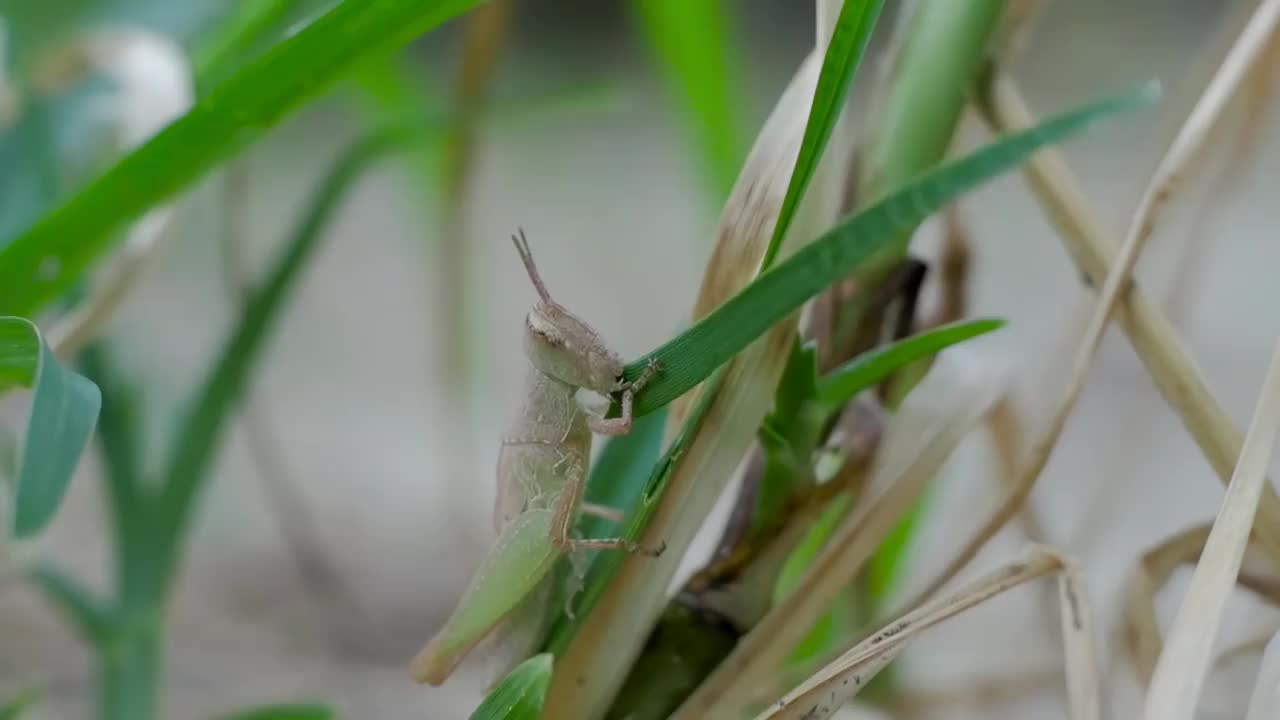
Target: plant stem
(129,666)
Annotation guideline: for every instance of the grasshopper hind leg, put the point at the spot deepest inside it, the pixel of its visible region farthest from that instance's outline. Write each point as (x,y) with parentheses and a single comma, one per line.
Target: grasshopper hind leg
(516,566)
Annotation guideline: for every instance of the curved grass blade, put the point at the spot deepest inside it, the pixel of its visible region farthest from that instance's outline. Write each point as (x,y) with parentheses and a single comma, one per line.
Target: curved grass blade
(199,433)
(844,54)
(861,240)
(520,694)
(840,385)
(45,260)
(692,40)
(64,410)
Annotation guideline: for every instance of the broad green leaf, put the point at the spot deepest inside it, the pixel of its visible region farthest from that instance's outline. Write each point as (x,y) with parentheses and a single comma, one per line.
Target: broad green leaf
(45,260)
(862,240)
(285,711)
(693,42)
(64,409)
(16,708)
(844,54)
(521,693)
(841,384)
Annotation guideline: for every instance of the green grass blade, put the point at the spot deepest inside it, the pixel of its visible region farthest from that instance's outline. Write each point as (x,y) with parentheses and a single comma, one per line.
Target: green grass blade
(692,40)
(841,384)
(885,567)
(231,40)
(64,409)
(85,611)
(199,433)
(844,54)
(286,711)
(863,239)
(521,693)
(44,261)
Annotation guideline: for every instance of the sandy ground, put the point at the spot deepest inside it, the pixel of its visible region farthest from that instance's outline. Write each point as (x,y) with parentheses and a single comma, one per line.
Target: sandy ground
(352,384)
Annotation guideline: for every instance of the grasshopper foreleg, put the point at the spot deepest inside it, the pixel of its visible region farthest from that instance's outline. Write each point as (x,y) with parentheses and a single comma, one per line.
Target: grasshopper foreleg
(621,425)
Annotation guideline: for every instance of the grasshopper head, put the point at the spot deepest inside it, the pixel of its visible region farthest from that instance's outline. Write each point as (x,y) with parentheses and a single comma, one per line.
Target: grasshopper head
(561,344)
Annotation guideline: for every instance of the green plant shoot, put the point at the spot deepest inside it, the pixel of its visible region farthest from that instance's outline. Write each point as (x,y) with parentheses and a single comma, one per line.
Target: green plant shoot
(542,472)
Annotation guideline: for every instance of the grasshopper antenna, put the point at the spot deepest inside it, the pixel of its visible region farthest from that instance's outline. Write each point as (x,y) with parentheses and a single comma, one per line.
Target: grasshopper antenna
(526,256)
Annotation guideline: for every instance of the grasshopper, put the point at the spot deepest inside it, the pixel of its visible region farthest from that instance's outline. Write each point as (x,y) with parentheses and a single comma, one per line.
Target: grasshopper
(542,472)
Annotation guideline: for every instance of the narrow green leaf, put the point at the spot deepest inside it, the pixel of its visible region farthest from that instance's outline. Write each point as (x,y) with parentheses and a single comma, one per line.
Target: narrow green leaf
(788,434)
(52,254)
(692,40)
(86,612)
(17,707)
(201,430)
(863,239)
(840,385)
(521,693)
(285,711)
(884,568)
(237,34)
(64,409)
(844,54)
